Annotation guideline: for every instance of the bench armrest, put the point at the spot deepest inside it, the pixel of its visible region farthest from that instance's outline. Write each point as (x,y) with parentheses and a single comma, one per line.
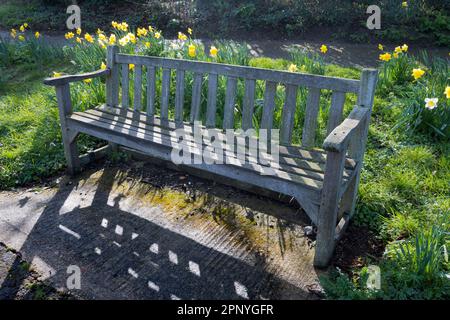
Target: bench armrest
(58,81)
(338,139)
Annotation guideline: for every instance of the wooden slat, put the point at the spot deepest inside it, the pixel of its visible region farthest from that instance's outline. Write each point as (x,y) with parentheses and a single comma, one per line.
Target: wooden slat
(248,104)
(299,79)
(336,109)
(125,86)
(60,81)
(179,96)
(151,89)
(112,81)
(196,96)
(230,99)
(288,118)
(212,101)
(165,94)
(269,105)
(312,110)
(137,87)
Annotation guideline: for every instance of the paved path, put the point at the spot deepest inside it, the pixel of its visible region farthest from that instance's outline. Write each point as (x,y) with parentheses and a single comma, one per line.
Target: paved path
(145,232)
(341,53)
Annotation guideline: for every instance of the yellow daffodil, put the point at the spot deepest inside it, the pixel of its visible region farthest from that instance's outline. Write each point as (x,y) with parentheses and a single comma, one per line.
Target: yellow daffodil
(25,25)
(150,28)
(405,4)
(182,36)
(112,39)
(385,57)
(124,41)
(380,47)
(292,68)
(79,40)
(56,74)
(157,35)
(405,48)
(124,26)
(323,49)
(213,51)
(114,24)
(430,104)
(417,73)
(147,44)
(398,49)
(102,37)
(78,31)
(21,38)
(189,30)
(37,34)
(191,50)
(69,35)
(447,92)
(22,28)
(87,80)
(13,33)
(99,31)
(395,55)
(141,32)
(131,67)
(131,37)
(103,66)
(89,38)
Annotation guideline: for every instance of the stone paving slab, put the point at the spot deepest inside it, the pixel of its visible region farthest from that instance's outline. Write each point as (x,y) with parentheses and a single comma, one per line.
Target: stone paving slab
(146,232)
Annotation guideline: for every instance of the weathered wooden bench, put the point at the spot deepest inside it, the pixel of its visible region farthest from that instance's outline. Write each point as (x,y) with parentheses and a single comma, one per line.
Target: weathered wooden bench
(323,181)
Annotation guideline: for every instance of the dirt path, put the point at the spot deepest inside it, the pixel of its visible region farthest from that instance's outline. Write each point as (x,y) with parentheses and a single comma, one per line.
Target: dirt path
(341,53)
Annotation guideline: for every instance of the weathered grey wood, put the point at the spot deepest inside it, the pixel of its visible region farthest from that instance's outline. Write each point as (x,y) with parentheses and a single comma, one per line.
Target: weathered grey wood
(165,94)
(326,220)
(269,105)
(357,145)
(137,87)
(230,99)
(336,109)
(288,118)
(151,90)
(337,140)
(248,104)
(179,96)
(68,134)
(212,101)
(112,80)
(311,113)
(125,86)
(196,97)
(59,81)
(298,79)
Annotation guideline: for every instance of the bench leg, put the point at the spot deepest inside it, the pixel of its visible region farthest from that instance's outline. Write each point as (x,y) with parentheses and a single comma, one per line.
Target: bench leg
(329,206)
(71,151)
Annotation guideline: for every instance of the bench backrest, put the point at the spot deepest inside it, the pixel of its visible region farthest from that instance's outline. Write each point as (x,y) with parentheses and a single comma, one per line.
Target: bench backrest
(147,69)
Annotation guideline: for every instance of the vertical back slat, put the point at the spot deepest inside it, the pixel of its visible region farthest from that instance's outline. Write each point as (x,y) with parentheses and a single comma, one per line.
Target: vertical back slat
(137,87)
(112,81)
(212,101)
(312,110)
(179,96)
(336,108)
(165,93)
(151,88)
(269,105)
(196,96)
(249,103)
(125,86)
(288,117)
(230,99)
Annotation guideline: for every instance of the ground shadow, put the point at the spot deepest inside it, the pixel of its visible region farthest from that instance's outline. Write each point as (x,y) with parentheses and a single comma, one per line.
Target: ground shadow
(124,256)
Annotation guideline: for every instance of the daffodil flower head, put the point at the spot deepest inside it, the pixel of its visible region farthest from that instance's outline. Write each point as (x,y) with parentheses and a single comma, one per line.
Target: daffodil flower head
(87,80)
(385,57)
(292,68)
(88,38)
(380,47)
(405,48)
(213,51)
(323,49)
(189,30)
(192,50)
(56,74)
(417,73)
(103,66)
(157,35)
(112,39)
(131,66)
(447,92)
(398,49)
(21,38)
(37,34)
(69,35)
(431,103)
(182,36)
(405,4)
(78,31)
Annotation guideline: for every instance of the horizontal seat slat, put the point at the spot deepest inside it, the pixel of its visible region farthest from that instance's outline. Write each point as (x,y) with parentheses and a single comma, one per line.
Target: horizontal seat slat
(287,164)
(298,79)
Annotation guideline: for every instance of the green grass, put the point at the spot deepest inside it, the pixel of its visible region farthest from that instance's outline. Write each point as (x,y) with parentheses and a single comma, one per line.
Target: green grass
(404,194)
